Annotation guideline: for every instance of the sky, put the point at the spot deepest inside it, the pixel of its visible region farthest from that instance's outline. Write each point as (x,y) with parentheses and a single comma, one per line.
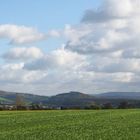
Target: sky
(54,46)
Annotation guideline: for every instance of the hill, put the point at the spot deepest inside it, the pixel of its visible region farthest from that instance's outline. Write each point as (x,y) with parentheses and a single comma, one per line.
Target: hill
(120,95)
(9,97)
(74,99)
(80,100)
(71,99)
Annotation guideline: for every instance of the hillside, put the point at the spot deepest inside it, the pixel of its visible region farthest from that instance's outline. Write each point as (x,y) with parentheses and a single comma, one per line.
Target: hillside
(120,95)
(77,99)
(73,99)
(9,97)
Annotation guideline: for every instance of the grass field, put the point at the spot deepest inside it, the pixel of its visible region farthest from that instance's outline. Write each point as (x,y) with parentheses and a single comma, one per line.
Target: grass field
(70,125)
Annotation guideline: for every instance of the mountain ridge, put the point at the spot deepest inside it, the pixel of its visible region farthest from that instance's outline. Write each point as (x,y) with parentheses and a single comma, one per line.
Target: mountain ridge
(71,99)
(119,95)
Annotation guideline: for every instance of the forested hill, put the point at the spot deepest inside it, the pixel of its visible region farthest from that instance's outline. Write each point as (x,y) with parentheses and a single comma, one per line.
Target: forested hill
(120,95)
(9,97)
(73,99)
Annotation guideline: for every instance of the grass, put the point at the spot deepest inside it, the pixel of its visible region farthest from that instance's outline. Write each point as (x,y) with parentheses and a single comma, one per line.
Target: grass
(70,125)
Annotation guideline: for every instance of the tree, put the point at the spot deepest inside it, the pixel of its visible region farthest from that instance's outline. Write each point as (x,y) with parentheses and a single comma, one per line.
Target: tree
(123,105)
(20,104)
(93,106)
(107,106)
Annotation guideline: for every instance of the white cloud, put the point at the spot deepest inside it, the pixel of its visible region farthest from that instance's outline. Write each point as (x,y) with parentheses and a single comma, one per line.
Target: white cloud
(102,53)
(116,35)
(54,33)
(20,34)
(23,53)
(15,66)
(112,45)
(113,9)
(15,73)
(57,59)
(74,33)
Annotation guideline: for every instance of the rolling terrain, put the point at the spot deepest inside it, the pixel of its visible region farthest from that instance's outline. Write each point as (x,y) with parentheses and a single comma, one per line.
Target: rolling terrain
(9,97)
(73,99)
(120,95)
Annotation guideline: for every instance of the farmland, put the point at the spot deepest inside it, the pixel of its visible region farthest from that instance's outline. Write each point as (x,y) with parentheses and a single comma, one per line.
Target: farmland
(70,125)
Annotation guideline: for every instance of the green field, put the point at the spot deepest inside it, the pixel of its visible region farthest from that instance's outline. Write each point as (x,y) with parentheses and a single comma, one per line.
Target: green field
(70,125)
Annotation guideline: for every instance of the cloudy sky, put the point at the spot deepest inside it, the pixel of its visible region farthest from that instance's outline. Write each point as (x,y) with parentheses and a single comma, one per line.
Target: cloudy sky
(54,46)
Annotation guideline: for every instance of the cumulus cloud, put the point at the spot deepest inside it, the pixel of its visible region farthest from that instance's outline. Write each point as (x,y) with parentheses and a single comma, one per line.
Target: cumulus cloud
(15,73)
(57,59)
(20,35)
(23,53)
(102,53)
(112,9)
(112,45)
(117,34)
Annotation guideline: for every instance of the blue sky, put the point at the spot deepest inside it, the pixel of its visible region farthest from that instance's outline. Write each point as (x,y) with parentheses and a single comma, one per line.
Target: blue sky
(44,15)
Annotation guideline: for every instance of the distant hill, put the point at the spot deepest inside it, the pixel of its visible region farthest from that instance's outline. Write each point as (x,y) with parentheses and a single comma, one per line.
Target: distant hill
(119,95)
(80,100)
(73,99)
(9,97)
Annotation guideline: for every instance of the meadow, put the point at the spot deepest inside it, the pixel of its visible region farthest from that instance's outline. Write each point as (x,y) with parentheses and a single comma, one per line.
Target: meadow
(70,125)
